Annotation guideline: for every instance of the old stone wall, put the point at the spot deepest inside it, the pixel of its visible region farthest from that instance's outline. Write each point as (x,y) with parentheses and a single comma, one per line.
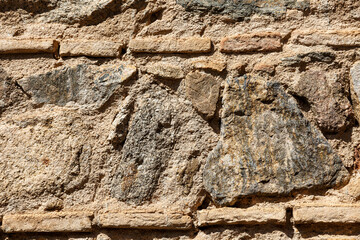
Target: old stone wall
(179,119)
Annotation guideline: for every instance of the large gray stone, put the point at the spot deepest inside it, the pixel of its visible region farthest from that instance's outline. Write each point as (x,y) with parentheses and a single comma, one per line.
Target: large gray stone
(165,145)
(82,85)
(240,9)
(267,146)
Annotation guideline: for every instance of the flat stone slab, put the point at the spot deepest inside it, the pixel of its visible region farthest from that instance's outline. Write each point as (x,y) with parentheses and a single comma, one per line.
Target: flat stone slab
(266,145)
(332,38)
(144,220)
(326,214)
(12,46)
(254,42)
(231,216)
(47,222)
(240,9)
(170,45)
(90,48)
(82,85)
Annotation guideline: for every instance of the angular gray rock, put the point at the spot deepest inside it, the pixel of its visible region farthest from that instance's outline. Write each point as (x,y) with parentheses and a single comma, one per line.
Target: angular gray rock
(240,9)
(83,85)
(165,145)
(267,146)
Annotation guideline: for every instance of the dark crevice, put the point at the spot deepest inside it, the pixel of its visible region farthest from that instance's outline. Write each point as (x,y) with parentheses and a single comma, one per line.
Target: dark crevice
(17,85)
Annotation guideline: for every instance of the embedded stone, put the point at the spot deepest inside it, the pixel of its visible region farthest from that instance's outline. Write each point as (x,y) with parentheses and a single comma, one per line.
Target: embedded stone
(83,85)
(254,42)
(323,92)
(91,48)
(326,214)
(355,89)
(203,91)
(240,9)
(252,215)
(267,146)
(11,46)
(211,64)
(169,45)
(47,222)
(144,220)
(332,38)
(166,70)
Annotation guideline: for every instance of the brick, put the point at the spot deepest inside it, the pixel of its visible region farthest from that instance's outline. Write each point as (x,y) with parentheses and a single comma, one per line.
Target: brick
(170,45)
(213,64)
(326,214)
(256,42)
(11,46)
(332,38)
(47,222)
(144,220)
(90,48)
(252,215)
(165,70)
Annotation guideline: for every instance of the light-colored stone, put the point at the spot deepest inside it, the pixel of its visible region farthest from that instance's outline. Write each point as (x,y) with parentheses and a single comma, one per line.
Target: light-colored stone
(252,215)
(166,70)
(333,38)
(171,45)
(91,48)
(144,220)
(11,46)
(213,64)
(203,91)
(355,89)
(326,214)
(255,42)
(47,222)
(353,187)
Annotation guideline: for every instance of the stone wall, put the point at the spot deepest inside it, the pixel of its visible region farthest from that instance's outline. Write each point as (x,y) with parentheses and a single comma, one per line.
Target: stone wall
(179,119)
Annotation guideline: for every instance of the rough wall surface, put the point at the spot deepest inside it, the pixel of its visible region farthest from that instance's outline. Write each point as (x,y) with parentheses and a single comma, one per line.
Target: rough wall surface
(179,119)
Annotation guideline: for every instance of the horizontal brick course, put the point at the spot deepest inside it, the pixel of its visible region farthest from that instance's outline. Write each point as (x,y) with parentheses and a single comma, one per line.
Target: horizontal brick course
(170,45)
(255,42)
(47,222)
(324,214)
(90,48)
(252,215)
(332,38)
(144,220)
(14,46)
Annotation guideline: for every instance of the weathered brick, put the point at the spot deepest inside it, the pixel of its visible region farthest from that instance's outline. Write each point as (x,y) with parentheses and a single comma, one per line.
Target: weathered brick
(11,46)
(90,48)
(165,70)
(171,45)
(252,215)
(332,38)
(144,220)
(255,42)
(47,222)
(326,214)
(213,64)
